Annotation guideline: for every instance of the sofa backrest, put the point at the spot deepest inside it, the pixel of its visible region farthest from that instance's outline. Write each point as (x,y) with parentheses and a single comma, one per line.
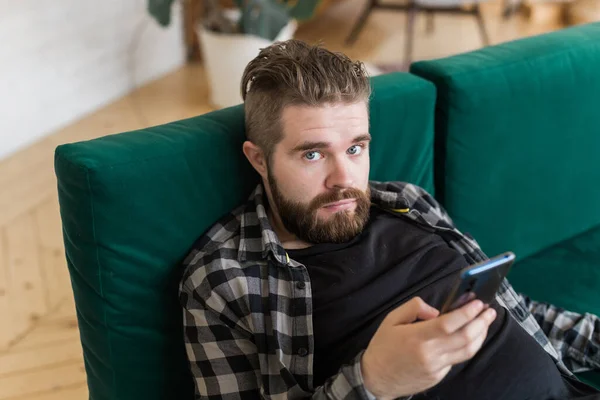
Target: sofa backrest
(132,205)
(518,139)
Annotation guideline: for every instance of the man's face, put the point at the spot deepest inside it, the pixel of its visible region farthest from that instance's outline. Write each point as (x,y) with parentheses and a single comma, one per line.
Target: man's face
(318,174)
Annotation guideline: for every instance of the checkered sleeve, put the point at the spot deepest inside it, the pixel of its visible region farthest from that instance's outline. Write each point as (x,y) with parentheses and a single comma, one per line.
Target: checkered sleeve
(348,384)
(223,358)
(575,336)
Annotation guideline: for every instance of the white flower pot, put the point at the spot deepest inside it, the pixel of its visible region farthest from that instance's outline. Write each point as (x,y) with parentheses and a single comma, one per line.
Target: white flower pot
(225,57)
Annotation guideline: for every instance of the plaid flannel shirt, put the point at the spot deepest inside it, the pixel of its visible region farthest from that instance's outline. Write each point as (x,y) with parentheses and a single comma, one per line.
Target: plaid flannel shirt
(248,310)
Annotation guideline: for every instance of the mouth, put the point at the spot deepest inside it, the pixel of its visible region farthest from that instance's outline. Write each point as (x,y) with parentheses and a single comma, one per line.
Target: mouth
(340,205)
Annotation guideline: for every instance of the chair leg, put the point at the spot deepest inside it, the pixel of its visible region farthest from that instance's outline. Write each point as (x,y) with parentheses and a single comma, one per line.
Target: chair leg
(361,22)
(481,24)
(430,21)
(507,9)
(511,7)
(410,34)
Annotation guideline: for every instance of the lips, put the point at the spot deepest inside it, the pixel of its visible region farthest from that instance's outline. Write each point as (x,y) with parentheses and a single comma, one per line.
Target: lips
(339,203)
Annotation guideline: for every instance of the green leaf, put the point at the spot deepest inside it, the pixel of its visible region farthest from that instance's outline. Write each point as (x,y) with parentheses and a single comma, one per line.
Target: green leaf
(303,9)
(264,18)
(160,10)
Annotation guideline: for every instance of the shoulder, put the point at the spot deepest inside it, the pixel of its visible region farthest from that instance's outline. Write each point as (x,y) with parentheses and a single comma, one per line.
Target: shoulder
(213,254)
(412,198)
(412,195)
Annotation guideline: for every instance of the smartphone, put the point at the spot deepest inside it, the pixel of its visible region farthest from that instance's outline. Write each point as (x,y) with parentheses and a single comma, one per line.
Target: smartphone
(480,281)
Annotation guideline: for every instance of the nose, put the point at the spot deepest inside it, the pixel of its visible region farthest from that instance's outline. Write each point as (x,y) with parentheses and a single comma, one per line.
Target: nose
(340,176)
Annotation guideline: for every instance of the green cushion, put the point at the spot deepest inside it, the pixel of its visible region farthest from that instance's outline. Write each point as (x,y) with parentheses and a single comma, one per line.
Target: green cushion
(517,139)
(132,205)
(401,118)
(566,275)
(591,378)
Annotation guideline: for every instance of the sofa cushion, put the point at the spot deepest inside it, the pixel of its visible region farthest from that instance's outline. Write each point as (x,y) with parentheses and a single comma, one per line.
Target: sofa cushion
(591,378)
(566,275)
(132,205)
(517,139)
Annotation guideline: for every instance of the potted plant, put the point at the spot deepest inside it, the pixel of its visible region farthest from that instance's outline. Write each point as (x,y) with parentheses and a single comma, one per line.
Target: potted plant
(230,38)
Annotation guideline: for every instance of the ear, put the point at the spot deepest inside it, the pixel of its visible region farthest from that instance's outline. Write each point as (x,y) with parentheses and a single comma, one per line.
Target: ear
(256,156)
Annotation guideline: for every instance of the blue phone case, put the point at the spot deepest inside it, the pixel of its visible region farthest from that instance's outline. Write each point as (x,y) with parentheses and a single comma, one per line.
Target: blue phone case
(480,281)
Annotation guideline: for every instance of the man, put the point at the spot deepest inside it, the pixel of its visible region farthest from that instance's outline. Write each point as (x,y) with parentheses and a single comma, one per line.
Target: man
(326,285)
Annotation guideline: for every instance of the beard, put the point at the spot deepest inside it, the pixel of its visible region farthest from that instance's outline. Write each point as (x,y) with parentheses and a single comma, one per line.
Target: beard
(302,219)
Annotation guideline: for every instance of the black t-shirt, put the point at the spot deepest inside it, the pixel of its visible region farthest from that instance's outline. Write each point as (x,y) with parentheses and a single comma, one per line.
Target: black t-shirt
(356,284)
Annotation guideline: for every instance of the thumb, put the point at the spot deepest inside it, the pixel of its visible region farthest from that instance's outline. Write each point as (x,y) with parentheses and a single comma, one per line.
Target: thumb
(411,311)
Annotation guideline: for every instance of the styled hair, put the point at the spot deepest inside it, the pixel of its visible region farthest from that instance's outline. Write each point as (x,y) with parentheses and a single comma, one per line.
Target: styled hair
(296,73)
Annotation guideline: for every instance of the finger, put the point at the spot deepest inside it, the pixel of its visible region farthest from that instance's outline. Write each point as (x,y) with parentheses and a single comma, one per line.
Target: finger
(465,353)
(468,333)
(451,322)
(414,309)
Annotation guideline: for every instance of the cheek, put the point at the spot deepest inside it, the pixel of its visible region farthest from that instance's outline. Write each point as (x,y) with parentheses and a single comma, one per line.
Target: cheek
(363,172)
(296,183)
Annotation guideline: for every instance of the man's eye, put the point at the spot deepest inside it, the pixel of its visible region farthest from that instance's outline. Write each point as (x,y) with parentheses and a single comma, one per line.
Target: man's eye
(312,155)
(355,150)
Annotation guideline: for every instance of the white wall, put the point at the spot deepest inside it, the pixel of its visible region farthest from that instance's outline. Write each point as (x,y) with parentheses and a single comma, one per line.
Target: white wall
(62,59)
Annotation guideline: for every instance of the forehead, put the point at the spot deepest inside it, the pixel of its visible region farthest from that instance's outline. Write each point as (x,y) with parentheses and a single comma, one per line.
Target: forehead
(329,122)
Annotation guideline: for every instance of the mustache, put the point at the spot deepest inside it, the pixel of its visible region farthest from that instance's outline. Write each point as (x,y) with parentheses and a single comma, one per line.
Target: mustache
(338,195)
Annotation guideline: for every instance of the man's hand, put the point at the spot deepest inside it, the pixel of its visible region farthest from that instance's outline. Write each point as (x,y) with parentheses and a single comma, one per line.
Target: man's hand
(406,357)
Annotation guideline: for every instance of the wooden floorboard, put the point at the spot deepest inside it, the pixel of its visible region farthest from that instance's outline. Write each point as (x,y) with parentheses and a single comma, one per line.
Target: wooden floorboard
(42,380)
(48,333)
(51,253)
(7,330)
(76,391)
(28,290)
(27,360)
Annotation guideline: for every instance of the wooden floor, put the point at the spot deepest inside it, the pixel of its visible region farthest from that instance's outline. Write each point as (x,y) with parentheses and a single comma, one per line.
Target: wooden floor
(40,353)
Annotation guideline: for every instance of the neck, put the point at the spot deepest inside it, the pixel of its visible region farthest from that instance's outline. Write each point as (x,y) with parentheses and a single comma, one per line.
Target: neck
(288,240)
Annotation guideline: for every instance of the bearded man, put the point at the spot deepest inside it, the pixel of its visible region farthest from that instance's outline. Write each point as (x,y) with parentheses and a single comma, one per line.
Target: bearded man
(325,285)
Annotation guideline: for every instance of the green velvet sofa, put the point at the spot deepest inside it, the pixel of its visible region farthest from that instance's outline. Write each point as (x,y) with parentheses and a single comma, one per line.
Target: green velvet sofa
(506,138)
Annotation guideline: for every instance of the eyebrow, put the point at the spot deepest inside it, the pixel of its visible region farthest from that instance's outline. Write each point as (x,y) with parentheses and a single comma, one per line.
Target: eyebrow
(323,145)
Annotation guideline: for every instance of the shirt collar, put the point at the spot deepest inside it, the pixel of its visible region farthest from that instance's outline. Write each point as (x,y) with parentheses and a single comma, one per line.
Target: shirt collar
(258,240)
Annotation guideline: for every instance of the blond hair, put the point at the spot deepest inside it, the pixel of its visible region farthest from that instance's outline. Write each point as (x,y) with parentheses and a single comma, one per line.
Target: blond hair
(296,73)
